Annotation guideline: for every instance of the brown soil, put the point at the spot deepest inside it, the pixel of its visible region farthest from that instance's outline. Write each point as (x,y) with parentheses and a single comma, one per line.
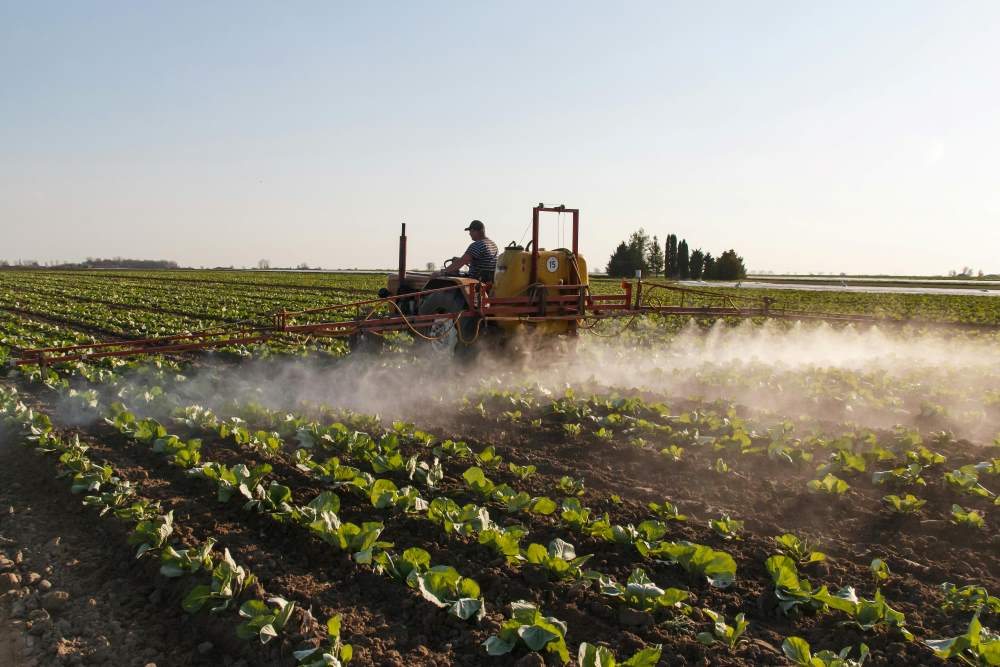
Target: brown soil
(390,624)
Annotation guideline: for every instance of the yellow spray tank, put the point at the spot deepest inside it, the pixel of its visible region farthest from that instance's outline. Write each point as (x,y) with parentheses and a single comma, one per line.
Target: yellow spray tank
(535,271)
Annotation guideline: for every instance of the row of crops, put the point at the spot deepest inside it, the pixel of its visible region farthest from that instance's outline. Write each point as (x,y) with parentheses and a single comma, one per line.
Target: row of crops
(370,482)
(131,303)
(683,511)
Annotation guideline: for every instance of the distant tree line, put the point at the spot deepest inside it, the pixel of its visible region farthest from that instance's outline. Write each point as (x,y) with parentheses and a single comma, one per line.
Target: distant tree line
(94,263)
(674,260)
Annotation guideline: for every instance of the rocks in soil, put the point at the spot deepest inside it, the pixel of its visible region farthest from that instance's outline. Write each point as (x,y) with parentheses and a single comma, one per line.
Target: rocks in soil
(9,580)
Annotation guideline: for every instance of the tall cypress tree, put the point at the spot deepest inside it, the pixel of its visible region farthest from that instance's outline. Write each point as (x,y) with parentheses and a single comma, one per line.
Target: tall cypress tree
(683,268)
(671,263)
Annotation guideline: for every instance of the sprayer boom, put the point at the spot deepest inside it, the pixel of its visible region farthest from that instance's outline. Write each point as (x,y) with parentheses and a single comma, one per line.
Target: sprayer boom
(479,313)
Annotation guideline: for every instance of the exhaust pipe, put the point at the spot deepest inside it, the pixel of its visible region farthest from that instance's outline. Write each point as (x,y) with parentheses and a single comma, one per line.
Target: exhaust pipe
(402,255)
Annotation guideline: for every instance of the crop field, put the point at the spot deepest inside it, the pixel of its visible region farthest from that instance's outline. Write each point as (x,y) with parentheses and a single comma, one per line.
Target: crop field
(670,493)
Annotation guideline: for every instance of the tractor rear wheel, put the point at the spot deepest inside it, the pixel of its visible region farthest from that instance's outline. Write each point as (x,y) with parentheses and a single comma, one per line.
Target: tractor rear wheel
(448,335)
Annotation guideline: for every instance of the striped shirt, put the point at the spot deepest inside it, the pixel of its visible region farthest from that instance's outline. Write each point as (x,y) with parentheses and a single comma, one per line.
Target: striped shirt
(484,258)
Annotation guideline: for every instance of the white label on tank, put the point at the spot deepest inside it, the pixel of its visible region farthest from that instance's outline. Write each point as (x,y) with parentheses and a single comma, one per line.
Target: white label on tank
(552,264)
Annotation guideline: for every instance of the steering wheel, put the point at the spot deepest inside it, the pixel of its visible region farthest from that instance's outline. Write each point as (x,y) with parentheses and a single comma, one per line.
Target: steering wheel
(446,263)
(527,248)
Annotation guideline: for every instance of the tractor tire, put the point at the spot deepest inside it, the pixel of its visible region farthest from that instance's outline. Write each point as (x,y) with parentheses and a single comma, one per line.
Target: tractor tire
(447,335)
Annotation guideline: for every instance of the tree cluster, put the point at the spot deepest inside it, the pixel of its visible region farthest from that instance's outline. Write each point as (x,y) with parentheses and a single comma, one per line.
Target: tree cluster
(94,263)
(675,260)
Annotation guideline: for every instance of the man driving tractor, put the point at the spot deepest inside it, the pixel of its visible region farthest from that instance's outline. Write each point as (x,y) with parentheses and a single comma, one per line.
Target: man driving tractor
(480,256)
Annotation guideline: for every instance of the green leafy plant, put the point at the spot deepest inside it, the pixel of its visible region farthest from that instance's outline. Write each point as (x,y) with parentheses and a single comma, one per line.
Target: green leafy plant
(640,593)
(867,614)
(325,503)
(830,484)
(908,504)
(479,483)
(522,472)
(183,453)
(361,541)
(843,461)
(591,655)
(880,571)
(573,430)
(384,494)
(966,480)
(520,501)
(666,511)
(334,653)
(176,563)
(114,499)
(404,567)
(452,449)
(570,486)
(152,534)
(140,510)
(575,515)
(443,586)
(276,501)
(504,541)
(264,620)
(798,651)
(469,519)
(793,593)
(800,550)
(717,567)
(927,457)
(488,458)
(723,633)
(647,531)
(89,477)
(968,518)
(908,475)
(559,560)
(673,452)
(968,598)
(229,582)
(528,627)
(238,479)
(428,474)
(605,434)
(726,527)
(334,474)
(978,646)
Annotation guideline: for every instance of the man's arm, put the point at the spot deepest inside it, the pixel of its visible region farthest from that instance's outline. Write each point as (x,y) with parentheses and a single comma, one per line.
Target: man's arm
(457,263)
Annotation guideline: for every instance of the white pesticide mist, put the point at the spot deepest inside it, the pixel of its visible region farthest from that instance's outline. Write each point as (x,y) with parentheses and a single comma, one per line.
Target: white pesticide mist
(865,376)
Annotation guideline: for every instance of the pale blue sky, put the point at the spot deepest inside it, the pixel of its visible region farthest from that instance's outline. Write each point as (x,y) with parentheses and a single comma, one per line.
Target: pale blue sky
(840,136)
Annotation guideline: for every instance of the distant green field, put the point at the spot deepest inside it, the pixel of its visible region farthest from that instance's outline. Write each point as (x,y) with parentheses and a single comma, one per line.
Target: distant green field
(58,307)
